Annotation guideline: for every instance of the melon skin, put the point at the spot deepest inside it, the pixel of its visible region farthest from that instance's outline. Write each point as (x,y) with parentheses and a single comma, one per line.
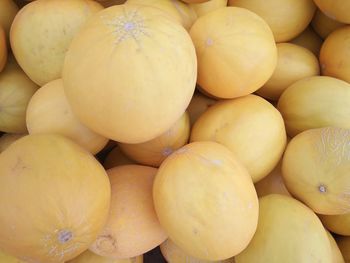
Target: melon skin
(324,25)
(335,9)
(8,11)
(343,243)
(202,9)
(336,253)
(116,158)
(309,39)
(3,49)
(339,224)
(7,139)
(90,257)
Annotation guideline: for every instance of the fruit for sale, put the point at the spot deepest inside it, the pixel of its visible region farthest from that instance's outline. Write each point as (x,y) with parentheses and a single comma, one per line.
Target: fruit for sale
(116,158)
(203,8)
(289,232)
(132,228)
(230,62)
(315,169)
(16,89)
(154,152)
(310,40)
(146,76)
(339,224)
(198,105)
(337,256)
(324,25)
(293,63)
(3,49)
(7,139)
(315,102)
(48,111)
(42,32)
(90,257)
(56,196)
(334,54)
(336,9)
(206,201)
(287,18)
(8,11)
(250,127)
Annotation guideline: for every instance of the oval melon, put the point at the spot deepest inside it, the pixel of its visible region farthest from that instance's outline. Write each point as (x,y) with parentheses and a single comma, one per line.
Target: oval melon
(6,258)
(335,9)
(7,139)
(339,224)
(309,39)
(336,253)
(90,257)
(324,25)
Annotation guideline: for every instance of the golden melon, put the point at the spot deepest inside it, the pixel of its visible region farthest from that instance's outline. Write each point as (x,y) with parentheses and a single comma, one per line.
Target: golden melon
(230,63)
(60,202)
(339,224)
(203,8)
(316,167)
(132,227)
(90,257)
(5,258)
(315,102)
(3,49)
(7,139)
(116,158)
(206,201)
(250,127)
(146,77)
(42,32)
(335,9)
(8,11)
(198,105)
(337,256)
(293,63)
(49,112)
(154,152)
(288,232)
(287,18)
(334,54)
(309,39)
(324,25)
(16,89)
(344,246)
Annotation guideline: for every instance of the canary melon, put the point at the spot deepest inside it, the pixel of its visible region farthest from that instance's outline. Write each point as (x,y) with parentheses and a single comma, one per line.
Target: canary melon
(7,139)
(90,257)
(203,8)
(116,158)
(339,224)
(336,9)
(336,253)
(309,39)
(324,25)
(6,258)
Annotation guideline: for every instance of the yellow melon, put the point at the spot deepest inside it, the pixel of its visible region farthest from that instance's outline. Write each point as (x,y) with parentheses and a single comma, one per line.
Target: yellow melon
(288,232)
(334,54)
(335,9)
(293,63)
(250,127)
(344,246)
(16,89)
(60,203)
(315,102)
(287,18)
(8,11)
(3,49)
(203,8)
(315,169)
(116,158)
(7,139)
(89,257)
(230,63)
(49,112)
(6,258)
(339,224)
(146,77)
(42,32)
(309,39)
(324,25)
(337,256)
(132,228)
(206,201)
(154,152)
(198,105)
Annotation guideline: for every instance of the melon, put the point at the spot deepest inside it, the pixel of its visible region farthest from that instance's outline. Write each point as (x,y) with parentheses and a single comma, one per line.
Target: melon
(198,105)
(250,127)
(309,39)
(334,54)
(16,89)
(203,8)
(289,232)
(7,139)
(42,32)
(206,202)
(324,25)
(315,102)
(6,258)
(294,63)
(3,49)
(316,167)
(339,224)
(60,203)
(146,78)
(49,112)
(230,63)
(337,257)
(132,228)
(116,158)
(8,11)
(89,257)
(344,246)
(336,9)
(154,152)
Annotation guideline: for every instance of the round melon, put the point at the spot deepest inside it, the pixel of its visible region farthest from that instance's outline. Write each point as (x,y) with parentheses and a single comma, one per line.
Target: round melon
(309,39)
(6,258)
(344,246)
(250,127)
(7,139)
(334,54)
(289,232)
(198,105)
(49,112)
(116,158)
(293,63)
(336,253)
(3,49)
(154,152)
(316,167)
(8,11)
(132,228)
(230,63)
(339,224)
(90,257)
(203,8)
(336,9)
(206,201)
(315,102)
(287,18)
(16,89)
(146,73)
(60,202)
(324,25)
(173,254)
(42,32)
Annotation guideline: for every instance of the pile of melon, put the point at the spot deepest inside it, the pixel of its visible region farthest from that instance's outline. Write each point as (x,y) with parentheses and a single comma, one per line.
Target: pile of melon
(201,130)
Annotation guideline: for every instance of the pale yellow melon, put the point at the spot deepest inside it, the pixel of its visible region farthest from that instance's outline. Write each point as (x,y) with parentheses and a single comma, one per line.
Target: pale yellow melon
(42,32)
(309,39)
(288,232)
(315,102)
(293,63)
(7,139)
(334,54)
(316,167)
(337,256)
(6,258)
(324,25)
(206,201)
(287,18)
(339,224)
(16,89)
(116,158)
(154,152)
(49,112)
(90,257)
(3,49)
(344,246)
(230,63)
(56,196)
(8,11)
(203,8)
(335,9)
(132,228)
(198,105)
(250,127)
(145,78)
